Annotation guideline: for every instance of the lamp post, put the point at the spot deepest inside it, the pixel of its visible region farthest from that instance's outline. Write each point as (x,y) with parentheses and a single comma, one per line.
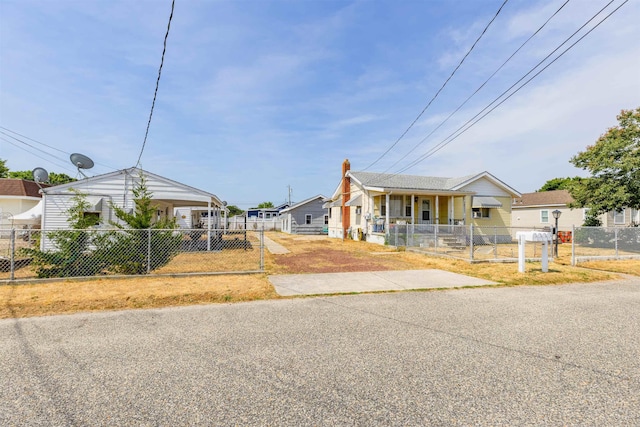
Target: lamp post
(556,214)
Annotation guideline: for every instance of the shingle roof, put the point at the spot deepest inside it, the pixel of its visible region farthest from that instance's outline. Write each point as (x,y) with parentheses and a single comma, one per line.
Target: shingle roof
(412,182)
(542,198)
(19,187)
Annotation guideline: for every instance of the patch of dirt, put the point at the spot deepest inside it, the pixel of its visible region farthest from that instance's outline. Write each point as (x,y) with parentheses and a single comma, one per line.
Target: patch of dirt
(325,260)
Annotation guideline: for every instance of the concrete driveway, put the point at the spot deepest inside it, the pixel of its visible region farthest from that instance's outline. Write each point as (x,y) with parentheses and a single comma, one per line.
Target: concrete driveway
(544,355)
(335,283)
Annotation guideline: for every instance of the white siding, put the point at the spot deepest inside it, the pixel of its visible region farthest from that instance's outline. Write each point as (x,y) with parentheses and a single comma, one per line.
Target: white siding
(484,187)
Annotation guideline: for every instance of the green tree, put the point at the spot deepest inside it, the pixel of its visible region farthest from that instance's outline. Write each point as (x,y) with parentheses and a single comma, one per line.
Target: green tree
(71,255)
(144,242)
(60,178)
(4,170)
(614,164)
(54,178)
(234,210)
(557,184)
(264,205)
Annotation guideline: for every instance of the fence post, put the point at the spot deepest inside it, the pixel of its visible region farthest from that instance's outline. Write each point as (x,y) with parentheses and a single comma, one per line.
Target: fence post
(471,242)
(262,251)
(573,244)
(148,250)
(435,237)
(615,239)
(13,253)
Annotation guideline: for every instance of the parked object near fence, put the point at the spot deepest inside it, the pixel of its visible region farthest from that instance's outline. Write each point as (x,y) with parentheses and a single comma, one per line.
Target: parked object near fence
(105,252)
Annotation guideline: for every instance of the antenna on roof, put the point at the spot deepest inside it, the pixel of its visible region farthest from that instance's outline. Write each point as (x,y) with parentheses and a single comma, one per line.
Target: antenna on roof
(40,175)
(81,162)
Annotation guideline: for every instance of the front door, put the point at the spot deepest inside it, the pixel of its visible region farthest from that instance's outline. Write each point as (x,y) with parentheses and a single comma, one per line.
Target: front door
(425,212)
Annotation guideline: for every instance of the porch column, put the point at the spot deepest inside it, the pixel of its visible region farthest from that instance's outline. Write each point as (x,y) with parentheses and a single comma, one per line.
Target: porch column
(437,218)
(464,209)
(451,210)
(413,209)
(386,214)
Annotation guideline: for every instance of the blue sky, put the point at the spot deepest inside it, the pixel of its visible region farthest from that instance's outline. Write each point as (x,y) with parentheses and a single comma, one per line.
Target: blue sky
(257,95)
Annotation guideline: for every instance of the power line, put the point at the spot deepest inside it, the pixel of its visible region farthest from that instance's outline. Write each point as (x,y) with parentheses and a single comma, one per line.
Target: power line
(36,155)
(460,130)
(479,87)
(29,145)
(155,94)
(43,144)
(31,139)
(441,88)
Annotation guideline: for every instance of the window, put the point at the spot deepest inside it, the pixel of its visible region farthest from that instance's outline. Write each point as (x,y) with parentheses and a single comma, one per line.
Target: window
(268,215)
(326,220)
(383,205)
(307,219)
(93,218)
(544,216)
(480,212)
(618,217)
(635,216)
(407,206)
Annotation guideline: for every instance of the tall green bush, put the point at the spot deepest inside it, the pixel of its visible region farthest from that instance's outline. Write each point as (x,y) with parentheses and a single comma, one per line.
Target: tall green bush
(140,244)
(71,255)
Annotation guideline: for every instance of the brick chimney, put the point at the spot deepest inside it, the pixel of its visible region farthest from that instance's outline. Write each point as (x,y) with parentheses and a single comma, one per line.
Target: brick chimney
(346,196)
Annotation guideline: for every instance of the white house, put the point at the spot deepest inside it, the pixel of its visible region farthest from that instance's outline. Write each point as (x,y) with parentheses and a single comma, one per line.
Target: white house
(19,203)
(116,188)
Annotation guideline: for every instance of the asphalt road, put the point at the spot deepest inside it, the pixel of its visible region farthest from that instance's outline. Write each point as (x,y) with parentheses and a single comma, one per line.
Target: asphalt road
(553,355)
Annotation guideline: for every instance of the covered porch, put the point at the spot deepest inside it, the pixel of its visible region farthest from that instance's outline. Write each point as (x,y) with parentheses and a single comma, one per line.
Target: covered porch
(415,208)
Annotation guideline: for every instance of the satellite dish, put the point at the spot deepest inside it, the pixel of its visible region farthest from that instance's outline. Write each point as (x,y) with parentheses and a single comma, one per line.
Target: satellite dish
(40,175)
(81,161)
(224,203)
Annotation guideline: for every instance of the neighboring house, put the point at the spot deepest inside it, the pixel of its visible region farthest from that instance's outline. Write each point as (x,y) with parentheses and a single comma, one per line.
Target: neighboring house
(265,213)
(19,203)
(196,217)
(366,204)
(306,217)
(534,210)
(116,188)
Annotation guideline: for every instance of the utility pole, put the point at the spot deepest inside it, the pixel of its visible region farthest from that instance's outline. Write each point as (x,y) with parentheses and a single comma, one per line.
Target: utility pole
(290,189)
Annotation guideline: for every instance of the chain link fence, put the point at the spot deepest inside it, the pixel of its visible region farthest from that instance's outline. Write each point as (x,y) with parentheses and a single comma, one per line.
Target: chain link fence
(32,254)
(598,243)
(465,242)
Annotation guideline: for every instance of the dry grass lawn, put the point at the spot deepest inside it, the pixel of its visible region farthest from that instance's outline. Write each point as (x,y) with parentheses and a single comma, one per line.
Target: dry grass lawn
(312,254)
(628,266)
